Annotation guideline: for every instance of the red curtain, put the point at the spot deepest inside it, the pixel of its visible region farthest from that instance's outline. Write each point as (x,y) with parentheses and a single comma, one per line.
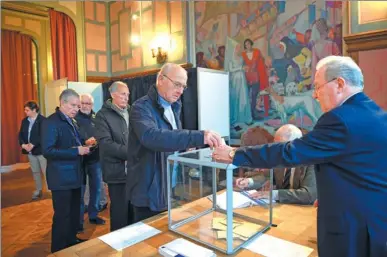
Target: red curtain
(63,46)
(17,87)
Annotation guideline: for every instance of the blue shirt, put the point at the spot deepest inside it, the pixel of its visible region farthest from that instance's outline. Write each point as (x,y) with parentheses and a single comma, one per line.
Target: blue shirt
(78,139)
(32,121)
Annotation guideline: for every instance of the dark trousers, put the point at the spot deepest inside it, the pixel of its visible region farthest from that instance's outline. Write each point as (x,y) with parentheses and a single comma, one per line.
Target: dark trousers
(142,213)
(121,212)
(66,205)
(94,174)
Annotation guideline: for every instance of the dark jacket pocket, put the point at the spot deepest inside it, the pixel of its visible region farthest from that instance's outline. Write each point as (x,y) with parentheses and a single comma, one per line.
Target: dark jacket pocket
(68,175)
(114,172)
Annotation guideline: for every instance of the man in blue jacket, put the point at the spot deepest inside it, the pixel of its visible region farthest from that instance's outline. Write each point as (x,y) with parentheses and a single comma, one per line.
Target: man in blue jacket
(63,148)
(348,146)
(155,132)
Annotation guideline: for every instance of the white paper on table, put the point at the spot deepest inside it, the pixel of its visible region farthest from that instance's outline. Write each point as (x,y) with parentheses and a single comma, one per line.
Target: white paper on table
(128,236)
(239,200)
(270,246)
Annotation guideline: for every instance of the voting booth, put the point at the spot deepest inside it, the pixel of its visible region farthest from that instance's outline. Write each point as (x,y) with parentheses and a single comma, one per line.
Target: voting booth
(205,206)
(54,88)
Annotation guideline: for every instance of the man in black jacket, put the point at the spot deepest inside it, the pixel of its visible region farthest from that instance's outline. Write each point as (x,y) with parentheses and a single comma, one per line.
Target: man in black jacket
(112,123)
(86,122)
(63,148)
(29,140)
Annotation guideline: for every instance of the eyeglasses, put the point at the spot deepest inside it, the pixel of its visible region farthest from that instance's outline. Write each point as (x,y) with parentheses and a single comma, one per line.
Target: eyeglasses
(317,88)
(177,85)
(86,103)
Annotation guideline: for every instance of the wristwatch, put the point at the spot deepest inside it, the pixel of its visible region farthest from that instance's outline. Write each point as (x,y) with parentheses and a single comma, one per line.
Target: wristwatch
(232,153)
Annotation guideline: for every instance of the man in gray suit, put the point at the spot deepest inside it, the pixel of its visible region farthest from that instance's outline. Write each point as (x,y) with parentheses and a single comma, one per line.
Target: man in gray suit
(295,185)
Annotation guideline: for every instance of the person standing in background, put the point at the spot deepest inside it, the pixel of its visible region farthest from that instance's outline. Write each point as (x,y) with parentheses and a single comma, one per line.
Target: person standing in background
(29,140)
(112,123)
(86,123)
(63,148)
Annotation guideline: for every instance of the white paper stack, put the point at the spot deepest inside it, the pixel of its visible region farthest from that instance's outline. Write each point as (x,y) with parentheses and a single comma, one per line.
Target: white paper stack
(128,236)
(184,248)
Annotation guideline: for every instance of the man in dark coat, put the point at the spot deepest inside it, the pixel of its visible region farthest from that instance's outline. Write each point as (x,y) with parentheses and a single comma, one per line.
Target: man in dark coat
(112,123)
(156,132)
(348,146)
(63,148)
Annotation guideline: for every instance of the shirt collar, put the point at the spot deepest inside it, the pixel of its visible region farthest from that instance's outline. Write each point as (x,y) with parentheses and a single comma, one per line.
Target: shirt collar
(164,103)
(348,98)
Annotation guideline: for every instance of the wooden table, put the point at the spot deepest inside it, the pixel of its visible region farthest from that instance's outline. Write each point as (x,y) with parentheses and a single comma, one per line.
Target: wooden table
(294,223)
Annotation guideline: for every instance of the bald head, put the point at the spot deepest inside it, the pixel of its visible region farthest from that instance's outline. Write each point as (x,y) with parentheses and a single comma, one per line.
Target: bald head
(287,133)
(171,82)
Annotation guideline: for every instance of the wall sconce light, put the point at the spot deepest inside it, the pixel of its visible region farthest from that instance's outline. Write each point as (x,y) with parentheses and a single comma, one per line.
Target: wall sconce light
(161,56)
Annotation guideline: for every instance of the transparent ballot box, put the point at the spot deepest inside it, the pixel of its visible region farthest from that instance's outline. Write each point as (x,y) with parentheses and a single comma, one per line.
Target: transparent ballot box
(205,205)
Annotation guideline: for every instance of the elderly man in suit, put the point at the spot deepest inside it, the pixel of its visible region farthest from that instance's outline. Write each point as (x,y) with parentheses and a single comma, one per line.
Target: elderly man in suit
(296,185)
(348,146)
(63,147)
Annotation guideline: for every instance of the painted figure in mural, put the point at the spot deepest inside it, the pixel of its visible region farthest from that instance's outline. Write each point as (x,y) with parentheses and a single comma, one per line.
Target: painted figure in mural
(304,39)
(240,111)
(200,62)
(220,57)
(301,56)
(322,45)
(256,76)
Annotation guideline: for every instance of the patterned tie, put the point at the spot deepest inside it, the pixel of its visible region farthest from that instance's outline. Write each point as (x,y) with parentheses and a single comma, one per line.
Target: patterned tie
(286,183)
(77,137)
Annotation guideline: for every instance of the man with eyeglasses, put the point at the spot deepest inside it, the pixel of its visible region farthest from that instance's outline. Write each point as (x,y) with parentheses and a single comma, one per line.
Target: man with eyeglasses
(155,133)
(94,186)
(348,146)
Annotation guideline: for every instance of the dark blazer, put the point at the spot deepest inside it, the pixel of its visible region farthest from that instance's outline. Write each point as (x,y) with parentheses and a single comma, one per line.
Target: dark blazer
(349,147)
(112,136)
(59,145)
(151,140)
(35,135)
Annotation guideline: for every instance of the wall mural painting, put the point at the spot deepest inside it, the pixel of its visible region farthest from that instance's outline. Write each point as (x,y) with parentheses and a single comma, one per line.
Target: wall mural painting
(271,49)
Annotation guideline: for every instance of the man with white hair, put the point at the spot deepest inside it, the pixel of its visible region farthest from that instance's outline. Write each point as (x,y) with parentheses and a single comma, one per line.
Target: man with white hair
(112,123)
(156,132)
(296,185)
(348,146)
(94,188)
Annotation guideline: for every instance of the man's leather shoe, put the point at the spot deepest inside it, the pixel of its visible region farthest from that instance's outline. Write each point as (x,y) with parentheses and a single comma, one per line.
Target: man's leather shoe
(97,221)
(78,241)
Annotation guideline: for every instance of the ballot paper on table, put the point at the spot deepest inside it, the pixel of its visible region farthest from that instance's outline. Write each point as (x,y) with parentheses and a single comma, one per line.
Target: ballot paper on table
(270,246)
(239,200)
(128,236)
(182,247)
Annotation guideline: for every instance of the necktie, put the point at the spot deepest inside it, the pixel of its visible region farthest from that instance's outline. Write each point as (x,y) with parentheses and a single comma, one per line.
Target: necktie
(286,183)
(77,138)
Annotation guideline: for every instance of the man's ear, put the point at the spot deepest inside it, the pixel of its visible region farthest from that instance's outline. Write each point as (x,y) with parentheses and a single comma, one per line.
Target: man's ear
(341,83)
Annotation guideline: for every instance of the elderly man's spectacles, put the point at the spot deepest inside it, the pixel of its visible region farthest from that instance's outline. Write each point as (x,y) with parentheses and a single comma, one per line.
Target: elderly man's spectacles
(317,88)
(176,84)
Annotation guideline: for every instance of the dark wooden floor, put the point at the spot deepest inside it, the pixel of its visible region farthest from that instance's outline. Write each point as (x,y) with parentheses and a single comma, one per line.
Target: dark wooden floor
(26,224)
